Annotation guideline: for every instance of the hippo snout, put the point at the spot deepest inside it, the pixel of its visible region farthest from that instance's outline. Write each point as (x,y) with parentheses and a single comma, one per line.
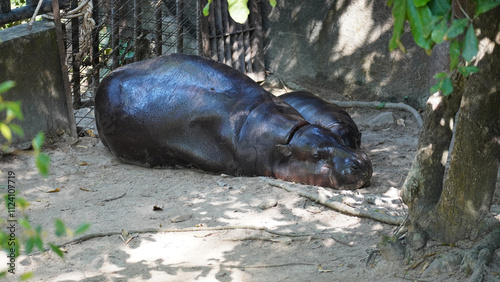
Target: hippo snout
(354,172)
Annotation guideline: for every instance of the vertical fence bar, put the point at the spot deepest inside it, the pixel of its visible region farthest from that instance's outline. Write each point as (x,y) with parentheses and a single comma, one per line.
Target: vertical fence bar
(179,6)
(213,33)
(247,48)
(5,6)
(137,31)
(203,31)
(115,29)
(75,64)
(219,29)
(95,46)
(158,28)
(227,29)
(241,48)
(255,19)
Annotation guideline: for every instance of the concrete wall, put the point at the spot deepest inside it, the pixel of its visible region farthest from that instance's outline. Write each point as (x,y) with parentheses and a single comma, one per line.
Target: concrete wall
(31,59)
(343,46)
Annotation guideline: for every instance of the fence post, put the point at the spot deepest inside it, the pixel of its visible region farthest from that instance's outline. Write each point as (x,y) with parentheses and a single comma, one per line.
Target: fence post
(62,57)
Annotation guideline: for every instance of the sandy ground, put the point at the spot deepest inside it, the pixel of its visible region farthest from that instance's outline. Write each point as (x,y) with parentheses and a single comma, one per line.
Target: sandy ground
(95,187)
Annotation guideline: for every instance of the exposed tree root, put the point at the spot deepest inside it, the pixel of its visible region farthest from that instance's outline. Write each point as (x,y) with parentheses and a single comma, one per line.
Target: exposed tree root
(378,105)
(471,261)
(340,207)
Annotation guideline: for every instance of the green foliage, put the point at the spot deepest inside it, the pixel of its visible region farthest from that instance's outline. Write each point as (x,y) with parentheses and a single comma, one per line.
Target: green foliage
(32,237)
(433,22)
(238,9)
(9,129)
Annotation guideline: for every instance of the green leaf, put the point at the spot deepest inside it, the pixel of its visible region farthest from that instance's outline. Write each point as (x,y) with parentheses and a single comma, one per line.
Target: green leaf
(470,44)
(82,228)
(457,27)
(24,223)
(398,13)
(238,10)
(447,86)
(56,250)
(466,71)
(381,106)
(206,9)
(273,3)
(483,6)
(16,129)
(444,84)
(454,51)
(60,227)
(5,130)
(418,18)
(38,141)
(22,203)
(440,75)
(42,162)
(13,111)
(436,87)
(439,32)
(420,3)
(39,243)
(440,7)
(6,86)
(30,242)
(26,276)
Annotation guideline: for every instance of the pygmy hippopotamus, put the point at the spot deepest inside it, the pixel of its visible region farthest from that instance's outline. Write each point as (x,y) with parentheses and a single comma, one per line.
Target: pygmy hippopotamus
(180,110)
(322,112)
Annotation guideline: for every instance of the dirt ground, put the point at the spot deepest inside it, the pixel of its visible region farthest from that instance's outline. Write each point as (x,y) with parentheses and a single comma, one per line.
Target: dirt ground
(97,188)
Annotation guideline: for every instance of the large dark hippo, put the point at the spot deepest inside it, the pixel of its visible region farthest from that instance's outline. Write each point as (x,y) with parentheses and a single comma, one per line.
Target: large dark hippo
(322,112)
(187,110)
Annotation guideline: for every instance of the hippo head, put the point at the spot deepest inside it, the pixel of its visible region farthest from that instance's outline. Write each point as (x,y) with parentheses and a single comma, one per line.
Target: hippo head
(316,156)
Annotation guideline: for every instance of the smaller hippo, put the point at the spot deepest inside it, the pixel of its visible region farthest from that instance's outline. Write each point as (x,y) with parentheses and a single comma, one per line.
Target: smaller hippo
(322,112)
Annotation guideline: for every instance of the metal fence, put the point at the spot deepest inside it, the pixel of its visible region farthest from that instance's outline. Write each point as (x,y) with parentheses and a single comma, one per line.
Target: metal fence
(101,35)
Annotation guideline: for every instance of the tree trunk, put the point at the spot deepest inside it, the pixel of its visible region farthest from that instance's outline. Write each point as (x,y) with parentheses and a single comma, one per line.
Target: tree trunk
(457,209)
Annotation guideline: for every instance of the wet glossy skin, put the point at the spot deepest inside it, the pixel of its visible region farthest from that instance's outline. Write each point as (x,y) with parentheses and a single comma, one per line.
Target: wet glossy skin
(186,110)
(322,112)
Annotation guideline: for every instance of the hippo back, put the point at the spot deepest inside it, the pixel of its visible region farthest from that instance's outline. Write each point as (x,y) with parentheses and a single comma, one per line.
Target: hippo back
(322,112)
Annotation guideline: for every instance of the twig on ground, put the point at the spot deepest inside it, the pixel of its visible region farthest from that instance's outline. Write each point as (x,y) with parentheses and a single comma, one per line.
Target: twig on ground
(116,198)
(340,207)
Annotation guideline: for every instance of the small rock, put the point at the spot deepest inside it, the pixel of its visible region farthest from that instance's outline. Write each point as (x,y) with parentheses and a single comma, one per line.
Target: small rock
(222,184)
(267,204)
(391,249)
(383,119)
(370,200)
(180,218)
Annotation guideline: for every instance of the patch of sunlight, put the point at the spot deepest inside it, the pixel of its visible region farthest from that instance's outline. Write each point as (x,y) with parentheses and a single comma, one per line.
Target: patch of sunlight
(392,193)
(176,248)
(357,28)
(313,30)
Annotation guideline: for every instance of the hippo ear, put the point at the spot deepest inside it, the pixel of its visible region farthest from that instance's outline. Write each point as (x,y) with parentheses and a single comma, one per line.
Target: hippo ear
(285,150)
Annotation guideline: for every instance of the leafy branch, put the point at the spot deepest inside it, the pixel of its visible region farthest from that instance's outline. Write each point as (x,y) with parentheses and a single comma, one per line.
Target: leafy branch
(433,22)
(31,236)
(238,9)
(9,129)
